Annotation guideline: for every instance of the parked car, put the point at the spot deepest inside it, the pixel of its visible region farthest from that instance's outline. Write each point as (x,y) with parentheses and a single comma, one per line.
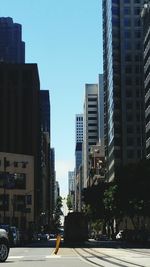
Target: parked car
(120,235)
(4,245)
(16,235)
(133,235)
(9,233)
(101,237)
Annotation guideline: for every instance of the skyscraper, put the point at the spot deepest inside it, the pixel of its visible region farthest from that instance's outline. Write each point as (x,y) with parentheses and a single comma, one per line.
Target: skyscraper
(124,118)
(19,109)
(12,48)
(101,110)
(45,111)
(79,140)
(90,125)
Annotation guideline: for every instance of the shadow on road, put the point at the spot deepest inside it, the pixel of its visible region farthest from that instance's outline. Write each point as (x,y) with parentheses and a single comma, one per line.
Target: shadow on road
(88,244)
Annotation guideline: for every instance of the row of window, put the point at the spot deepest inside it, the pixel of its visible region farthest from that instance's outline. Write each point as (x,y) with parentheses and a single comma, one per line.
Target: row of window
(127,22)
(12,181)
(79,119)
(18,202)
(15,163)
(126,1)
(127,11)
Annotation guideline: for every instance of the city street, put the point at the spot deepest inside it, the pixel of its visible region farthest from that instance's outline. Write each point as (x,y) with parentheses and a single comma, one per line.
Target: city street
(104,254)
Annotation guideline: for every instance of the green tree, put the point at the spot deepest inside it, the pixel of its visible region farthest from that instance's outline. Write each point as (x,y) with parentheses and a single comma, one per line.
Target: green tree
(133,191)
(69,202)
(57,214)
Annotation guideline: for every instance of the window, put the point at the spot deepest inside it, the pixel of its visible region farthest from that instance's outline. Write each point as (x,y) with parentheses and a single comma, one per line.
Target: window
(127,22)
(29,199)
(4,199)
(126,10)
(19,203)
(92,112)
(127,34)
(137,11)
(137,34)
(20,180)
(130,153)
(115,11)
(15,164)
(137,22)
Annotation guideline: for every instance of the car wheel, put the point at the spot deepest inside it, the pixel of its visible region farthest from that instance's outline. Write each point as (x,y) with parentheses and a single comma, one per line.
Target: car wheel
(4,251)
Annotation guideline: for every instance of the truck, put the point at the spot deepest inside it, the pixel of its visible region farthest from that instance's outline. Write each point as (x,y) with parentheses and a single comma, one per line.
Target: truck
(75,228)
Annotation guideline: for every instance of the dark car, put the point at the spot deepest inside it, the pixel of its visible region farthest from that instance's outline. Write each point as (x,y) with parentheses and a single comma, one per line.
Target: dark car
(4,245)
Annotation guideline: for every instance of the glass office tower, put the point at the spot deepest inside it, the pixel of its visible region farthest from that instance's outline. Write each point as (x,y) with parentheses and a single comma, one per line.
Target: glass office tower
(12,48)
(124,119)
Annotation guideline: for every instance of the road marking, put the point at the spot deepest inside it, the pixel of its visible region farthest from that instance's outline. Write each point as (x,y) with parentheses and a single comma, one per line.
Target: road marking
(15,257)
(53,256)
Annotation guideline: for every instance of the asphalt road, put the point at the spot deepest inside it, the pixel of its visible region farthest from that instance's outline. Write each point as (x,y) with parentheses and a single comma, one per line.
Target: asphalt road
(102,254)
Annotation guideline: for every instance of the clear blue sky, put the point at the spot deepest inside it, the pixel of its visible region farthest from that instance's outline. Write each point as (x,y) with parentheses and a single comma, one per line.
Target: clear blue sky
(64,37)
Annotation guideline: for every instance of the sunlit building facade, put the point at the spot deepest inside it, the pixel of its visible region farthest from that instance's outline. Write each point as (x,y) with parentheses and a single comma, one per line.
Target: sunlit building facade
(124,118)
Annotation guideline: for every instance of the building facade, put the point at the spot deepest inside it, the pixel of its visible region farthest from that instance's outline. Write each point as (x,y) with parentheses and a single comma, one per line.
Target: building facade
(52,180)
(12,48)
(124,118)
(78,140)
(17,190)
(20,116)
(45,154)
(146,27)
(90,126)
(101,109)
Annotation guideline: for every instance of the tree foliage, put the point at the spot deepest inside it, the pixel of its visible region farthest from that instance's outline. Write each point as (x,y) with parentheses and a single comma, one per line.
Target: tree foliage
(57,214)
(128,195)
(69,202)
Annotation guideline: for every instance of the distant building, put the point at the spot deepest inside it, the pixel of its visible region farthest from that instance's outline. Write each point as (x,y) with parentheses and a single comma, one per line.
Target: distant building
(78,140)
(71,177)
(12,48)
(57,191)
(90,125)
(79,128)
(71,187)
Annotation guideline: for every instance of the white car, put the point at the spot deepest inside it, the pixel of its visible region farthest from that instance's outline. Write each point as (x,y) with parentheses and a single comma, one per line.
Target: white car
(4,245)
(119,236)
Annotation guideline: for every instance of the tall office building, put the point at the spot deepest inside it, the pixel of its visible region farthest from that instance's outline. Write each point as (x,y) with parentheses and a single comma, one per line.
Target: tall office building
(71,177)
(146,26)
(90,126)
(124,118)
(19,109)
(12,48)
(45,153)
(78,156)
(79,140)
(52,180)
(101,110)
(79,128)
(45,110)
